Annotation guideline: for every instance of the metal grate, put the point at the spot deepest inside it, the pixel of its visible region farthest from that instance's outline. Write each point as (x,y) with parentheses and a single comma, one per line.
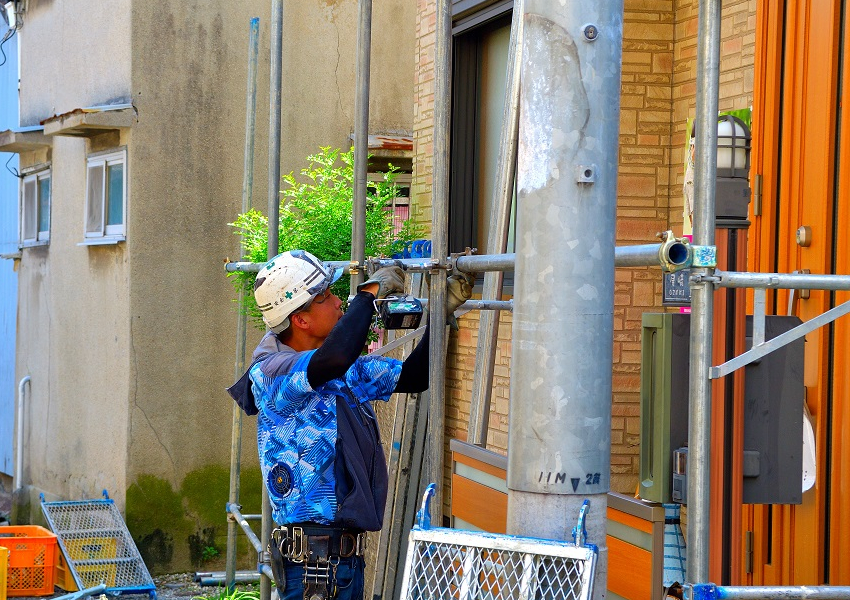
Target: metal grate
(464,565)
(98,546)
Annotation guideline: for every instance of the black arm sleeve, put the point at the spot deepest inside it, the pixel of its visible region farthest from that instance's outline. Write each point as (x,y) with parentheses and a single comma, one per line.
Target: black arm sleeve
(414,370)
(344,343)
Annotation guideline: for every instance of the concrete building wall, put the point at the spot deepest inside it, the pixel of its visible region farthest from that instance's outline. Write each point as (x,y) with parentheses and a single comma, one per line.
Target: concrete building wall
(189,89)
(131,345)
(73,307)
(73,56)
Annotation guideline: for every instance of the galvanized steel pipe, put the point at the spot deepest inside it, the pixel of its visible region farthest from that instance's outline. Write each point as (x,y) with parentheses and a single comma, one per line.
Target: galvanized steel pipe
(274,208)
(807,592)
(241,320)
(702,293)
(645,255)
(274,126)
(361,138)
(440,247)
(785,281)
(560,408)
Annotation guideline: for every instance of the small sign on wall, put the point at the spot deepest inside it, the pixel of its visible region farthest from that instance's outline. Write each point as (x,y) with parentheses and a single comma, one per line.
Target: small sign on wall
(677,288)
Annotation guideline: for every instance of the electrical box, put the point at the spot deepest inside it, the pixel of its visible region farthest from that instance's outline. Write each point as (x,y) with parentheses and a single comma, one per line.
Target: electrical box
(665,345)
(773,413)
(773,419)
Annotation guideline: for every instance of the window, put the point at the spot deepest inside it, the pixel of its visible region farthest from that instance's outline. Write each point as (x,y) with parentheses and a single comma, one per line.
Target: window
(480,55)
(106,198)
(35,208)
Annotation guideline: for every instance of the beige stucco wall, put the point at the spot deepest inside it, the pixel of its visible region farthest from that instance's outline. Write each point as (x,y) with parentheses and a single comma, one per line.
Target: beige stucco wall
(186,164)
(130,346)
(319,61)
(73,55)
(73,311)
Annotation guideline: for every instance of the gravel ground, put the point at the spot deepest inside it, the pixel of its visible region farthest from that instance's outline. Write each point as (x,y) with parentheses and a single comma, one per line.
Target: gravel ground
(177,586)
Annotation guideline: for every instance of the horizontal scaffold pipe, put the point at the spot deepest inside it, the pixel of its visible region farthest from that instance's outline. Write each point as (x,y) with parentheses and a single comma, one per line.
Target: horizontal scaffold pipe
(785,281)
(675,255)
(710,591)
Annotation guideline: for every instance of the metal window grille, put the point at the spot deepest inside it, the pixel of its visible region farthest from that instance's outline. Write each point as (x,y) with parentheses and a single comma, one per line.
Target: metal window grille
(465,565)
(98,546)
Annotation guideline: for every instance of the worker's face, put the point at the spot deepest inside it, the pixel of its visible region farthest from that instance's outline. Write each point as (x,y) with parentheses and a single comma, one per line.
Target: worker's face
(324,312)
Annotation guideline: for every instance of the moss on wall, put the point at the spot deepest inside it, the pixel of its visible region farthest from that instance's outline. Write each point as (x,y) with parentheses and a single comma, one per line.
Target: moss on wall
(184,529)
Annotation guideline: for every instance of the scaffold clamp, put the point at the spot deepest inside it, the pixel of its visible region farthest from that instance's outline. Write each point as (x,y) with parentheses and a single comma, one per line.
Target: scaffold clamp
(704,256)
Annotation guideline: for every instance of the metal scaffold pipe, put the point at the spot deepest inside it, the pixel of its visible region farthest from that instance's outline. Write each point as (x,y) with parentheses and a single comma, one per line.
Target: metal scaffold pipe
(702,293)
(785,281)
(707,591)
(563,320)
(361,138)
(439,245)
(241,322)
(275,78)
(673,256)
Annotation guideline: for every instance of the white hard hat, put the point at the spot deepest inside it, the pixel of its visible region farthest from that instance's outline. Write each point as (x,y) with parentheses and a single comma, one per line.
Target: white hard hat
(287,282)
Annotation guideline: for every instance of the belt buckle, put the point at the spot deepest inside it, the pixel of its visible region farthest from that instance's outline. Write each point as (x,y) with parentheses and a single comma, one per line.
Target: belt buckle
(297,544)
(348,545)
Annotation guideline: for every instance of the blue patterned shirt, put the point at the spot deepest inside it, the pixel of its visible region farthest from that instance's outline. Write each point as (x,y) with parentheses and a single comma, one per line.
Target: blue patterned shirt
(300,438)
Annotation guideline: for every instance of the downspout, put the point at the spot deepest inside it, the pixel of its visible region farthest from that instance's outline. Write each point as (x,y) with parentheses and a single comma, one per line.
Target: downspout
(19,425)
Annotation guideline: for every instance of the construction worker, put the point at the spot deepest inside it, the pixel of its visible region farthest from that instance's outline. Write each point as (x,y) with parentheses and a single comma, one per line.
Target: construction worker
(317,433)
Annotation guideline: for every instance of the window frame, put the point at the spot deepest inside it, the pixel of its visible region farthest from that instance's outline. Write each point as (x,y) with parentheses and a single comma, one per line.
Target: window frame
(465,157)
(105,233)
(35,174)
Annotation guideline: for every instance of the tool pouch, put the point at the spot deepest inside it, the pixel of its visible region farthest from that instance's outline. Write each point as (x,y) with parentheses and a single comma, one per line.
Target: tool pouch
(277,567)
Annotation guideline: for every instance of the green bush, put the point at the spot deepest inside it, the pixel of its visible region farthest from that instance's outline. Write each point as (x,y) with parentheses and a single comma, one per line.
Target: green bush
(315,215)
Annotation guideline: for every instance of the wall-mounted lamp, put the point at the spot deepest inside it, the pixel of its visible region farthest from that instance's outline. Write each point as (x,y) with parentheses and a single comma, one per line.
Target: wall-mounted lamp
(733,147)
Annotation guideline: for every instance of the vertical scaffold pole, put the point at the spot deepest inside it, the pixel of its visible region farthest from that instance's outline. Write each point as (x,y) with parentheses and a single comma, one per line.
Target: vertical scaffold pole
(274,212)
(241,323)
(361,138)
(274,125)
(702,293)
(560,411)
(439,250)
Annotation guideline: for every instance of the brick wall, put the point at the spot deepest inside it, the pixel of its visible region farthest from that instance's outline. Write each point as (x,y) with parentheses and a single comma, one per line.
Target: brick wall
(658,95)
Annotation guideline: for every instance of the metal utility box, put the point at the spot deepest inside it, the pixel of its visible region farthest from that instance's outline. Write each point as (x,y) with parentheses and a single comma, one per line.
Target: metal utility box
(773,411)
(664,381)
(773,419)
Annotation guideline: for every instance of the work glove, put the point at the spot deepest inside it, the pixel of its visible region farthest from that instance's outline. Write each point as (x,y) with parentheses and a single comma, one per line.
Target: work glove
(458,291)
(389,280)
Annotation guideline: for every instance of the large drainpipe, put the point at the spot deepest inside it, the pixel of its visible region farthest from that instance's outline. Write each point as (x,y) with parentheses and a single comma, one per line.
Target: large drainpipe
(19,451)
(488,325)
(440,250)
(241,322)
(560,411)
(361,139)
(702,293)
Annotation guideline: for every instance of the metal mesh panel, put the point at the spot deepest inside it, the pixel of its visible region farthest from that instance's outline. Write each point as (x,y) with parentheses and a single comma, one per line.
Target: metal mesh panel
(462,565)
(98,545)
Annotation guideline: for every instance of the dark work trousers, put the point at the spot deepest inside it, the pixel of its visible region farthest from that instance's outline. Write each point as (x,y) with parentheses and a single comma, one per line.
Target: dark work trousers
(349,579)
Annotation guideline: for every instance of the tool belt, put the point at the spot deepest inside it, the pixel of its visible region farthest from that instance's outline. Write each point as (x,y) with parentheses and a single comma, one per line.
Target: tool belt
(319,548)
(311,542)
